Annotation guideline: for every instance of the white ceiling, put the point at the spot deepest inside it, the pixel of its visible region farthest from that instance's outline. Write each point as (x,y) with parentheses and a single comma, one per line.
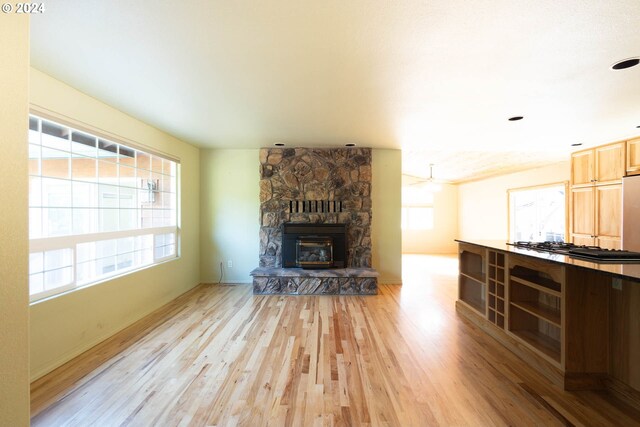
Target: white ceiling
(437,78)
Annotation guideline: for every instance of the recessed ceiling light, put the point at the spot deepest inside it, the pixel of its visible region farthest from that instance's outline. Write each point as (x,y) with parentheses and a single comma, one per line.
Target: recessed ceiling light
(577,144)
(625,63)
(279,144)
(515,118)
(351,144)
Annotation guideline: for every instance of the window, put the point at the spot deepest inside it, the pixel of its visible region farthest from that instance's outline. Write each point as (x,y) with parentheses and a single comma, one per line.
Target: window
(417,208)
(97,208)
(417,218)
(538,214)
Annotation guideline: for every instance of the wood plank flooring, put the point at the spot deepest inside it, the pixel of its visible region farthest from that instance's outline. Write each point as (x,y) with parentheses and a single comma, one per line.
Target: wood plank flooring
(219,356)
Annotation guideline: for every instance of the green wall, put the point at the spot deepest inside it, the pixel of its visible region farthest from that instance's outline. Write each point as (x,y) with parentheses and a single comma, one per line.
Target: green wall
(65,326)
(386,198)
(230,211)
(230,214)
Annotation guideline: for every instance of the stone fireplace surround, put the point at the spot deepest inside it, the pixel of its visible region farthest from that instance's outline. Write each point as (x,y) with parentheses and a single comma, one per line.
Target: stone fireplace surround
(323,186)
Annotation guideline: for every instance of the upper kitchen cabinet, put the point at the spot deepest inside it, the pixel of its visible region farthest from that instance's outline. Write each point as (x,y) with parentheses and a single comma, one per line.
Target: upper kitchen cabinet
(633,156)
(582,167)
(602,165)
(610,167)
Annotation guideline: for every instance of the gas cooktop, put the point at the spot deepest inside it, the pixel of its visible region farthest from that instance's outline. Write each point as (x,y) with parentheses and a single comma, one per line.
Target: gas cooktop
(591,253)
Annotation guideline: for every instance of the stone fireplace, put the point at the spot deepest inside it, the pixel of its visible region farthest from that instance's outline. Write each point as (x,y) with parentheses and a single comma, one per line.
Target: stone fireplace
(322,187)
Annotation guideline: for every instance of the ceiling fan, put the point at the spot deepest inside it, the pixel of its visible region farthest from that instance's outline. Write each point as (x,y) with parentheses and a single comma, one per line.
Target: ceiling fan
(430,184)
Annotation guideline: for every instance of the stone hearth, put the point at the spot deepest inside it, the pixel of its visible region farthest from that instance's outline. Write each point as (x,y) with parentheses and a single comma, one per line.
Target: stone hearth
(296,281)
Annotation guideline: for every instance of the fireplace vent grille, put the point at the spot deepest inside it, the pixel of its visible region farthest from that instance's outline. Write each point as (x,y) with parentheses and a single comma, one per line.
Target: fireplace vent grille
(315,206)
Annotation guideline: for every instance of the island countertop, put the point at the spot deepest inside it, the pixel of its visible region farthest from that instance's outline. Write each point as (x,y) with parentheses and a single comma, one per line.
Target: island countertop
(626,271)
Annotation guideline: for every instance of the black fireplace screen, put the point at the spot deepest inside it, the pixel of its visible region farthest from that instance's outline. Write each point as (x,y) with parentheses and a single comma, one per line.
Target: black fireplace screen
(314,251)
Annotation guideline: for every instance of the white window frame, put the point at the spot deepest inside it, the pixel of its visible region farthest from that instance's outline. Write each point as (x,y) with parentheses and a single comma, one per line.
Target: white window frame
(510,213)
(45,244)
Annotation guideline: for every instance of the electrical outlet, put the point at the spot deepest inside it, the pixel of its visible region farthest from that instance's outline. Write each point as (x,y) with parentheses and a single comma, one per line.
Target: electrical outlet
(616,283)
(230,264)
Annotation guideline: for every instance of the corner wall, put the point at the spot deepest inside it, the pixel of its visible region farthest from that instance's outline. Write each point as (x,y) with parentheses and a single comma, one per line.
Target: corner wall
(386,198)
(482,205)
(14,231)
(230,214)
(67,325)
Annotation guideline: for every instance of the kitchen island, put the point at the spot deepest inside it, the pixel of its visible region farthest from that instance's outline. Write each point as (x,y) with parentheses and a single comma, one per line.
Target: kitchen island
(577,322)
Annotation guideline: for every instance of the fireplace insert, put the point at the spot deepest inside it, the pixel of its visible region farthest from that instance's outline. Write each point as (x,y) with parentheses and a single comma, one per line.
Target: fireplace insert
(314,252)
(314,245)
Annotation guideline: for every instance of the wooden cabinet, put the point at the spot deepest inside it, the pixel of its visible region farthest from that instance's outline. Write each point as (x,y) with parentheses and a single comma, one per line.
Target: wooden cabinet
(597,216)
(582,168)
(608,216)
(602,165)
(472,279)
(566,322)
(610,164)
(633,156)
(535,306)
(496,294)
(582,221)
(519,296)
(596,195)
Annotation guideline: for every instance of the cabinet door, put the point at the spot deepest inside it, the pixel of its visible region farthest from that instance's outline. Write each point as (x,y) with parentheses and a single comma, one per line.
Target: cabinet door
(609,215)
(610,163)
(583,240)
(582,219)
(633,156)
(582,165)
(609,243)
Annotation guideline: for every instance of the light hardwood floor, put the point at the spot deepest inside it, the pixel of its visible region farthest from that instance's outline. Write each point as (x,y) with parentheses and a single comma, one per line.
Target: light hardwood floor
(220,356)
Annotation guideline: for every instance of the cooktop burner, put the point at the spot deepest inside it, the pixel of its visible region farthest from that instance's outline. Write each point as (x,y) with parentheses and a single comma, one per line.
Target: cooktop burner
(591,253)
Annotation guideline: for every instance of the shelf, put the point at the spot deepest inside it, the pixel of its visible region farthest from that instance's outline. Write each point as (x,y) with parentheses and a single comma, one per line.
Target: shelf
(495,294)
(496,258)
(539,310)
(496,288)
(500,320)
(477,279)
(536,286)
(541,342)
(476,304)
(472,292)
(540,279)
(496,318)
(472,263)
